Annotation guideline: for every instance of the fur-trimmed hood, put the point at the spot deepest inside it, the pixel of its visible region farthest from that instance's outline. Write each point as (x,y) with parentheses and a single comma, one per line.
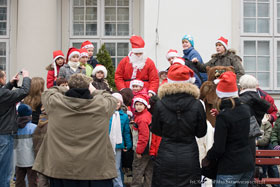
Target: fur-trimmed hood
(228,52)
(50,67)
(174,88)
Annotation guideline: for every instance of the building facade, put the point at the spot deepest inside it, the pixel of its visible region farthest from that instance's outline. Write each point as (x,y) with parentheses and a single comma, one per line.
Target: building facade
(31,29)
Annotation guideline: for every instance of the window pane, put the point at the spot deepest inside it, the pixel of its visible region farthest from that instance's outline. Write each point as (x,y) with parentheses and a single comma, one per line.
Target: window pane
(119,59)
(278,25)
(123,29)
(3,2)
(78,14)
(78,29)
(2,49)
(250,63)
(3,13)
(77,45)
(110,14)
(263,48)
(3,63)
(91,14)
(110,29)
(249,10)
(111,48)
(123,14)
(263,64)
(249,48)
(249,25)
(110,2)
(263,79)
(278,79)
(3,28)
(263,0)
(122,49)
(263,25)
(263,10)
(114,62)
(91,29)
(79,2)
(91,2)
(278,48)
(278,10)
(123,2)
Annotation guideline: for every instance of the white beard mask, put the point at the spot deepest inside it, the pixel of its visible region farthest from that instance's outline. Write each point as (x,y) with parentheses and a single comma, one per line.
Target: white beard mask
(137,62)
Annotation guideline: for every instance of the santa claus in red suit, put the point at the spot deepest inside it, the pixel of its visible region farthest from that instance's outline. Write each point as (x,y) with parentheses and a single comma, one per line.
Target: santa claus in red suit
(137,66)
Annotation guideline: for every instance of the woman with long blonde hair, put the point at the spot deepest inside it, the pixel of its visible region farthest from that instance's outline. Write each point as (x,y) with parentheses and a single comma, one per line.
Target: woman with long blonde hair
(34,97)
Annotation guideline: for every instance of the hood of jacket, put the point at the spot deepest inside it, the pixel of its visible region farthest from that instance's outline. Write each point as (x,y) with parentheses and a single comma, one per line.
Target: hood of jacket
(227,53)
(178,95)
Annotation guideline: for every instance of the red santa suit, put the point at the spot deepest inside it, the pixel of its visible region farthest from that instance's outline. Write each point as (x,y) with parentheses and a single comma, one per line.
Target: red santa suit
(127,70)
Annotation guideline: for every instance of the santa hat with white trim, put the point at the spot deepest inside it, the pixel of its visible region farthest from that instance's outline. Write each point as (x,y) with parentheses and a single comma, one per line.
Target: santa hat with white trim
(179,60)
(83,52)
(143,99)
(223,41)
(87,44)
(227,86)
(98,68)
(180,74)
(172,53)
(137,44)
(57,54)
(136,82)
(71,52)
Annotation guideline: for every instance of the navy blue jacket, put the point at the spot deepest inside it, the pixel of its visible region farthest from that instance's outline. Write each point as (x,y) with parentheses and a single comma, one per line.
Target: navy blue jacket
(92,61)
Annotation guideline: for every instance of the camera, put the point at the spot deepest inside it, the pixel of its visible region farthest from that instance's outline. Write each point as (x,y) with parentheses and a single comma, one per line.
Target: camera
(20,73)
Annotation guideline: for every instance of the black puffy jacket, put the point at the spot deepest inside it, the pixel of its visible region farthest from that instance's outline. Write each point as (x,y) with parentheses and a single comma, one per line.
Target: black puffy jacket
(178,118)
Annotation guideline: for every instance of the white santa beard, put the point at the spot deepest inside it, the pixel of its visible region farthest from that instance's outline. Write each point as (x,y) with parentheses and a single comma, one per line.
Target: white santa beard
(138,62)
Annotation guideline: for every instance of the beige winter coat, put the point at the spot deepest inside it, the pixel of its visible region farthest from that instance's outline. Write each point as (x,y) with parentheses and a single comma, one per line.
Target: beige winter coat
(77,145)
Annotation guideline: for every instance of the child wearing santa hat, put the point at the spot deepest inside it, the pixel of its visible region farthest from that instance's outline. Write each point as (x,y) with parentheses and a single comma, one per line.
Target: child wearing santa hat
(54,67)
(137,87)
(84,56)
(223,57)
(99,75)
(171,54)
(90,48)
(72,65)
(142,164)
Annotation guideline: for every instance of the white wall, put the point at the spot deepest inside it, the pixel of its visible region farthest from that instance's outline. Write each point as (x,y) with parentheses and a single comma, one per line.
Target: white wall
(206,21)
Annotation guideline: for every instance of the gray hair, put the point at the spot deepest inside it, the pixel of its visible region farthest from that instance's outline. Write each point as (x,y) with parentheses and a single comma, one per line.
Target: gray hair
(248,82)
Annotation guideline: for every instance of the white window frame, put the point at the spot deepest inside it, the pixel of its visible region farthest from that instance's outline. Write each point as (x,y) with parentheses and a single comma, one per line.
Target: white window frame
(275,64)
(271,54)
(271,25)
(275,20)
(82,40)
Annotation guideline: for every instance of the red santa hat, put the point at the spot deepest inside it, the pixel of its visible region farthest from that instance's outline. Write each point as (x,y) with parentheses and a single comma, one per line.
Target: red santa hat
(87,44)
(83,52)
(180,74)
(172,53)
(71,52)
(136,82)
(98,68)
(57,54)
(137,44)
(223,41)
(227,86)
(143,99)
(179,60)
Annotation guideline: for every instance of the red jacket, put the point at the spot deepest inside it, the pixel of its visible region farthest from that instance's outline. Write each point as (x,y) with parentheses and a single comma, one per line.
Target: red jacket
(155,144)
(272,109)
(143,120)
(141,92)
(148,75)
(51,78)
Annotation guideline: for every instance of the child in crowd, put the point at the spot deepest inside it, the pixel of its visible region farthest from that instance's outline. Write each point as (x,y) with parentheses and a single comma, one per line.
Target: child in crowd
(83,61)
(90,48)
(53,68)
(24,147)
(72,65)
(137,87)
(62,82)
(34,97)
(171,55)
(127,95)
(99,75)
(162,76)
(142,164)
(119,133)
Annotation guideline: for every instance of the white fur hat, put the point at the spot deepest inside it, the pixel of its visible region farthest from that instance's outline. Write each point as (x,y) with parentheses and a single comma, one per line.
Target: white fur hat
(100,67)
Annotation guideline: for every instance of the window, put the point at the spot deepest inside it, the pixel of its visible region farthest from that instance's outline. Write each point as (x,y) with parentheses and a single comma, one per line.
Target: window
(4,34)
(260,39)
(102,22)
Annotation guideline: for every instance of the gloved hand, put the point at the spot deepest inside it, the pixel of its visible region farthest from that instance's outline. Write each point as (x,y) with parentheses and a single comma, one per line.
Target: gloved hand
(153,157)
(277,147)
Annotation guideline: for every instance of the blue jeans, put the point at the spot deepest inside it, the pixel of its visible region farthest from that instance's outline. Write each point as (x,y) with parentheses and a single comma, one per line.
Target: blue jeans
(240,180)
(118,157)
(6,159)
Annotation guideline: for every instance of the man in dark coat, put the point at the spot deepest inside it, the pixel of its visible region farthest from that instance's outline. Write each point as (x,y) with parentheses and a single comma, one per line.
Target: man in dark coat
(8,125)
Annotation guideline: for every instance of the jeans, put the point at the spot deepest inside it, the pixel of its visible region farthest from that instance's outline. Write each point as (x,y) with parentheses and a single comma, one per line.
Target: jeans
(240,180)
(118,157)
(6,159)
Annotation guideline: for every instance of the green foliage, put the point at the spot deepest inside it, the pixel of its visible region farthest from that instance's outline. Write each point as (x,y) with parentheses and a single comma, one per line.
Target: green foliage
(103,57)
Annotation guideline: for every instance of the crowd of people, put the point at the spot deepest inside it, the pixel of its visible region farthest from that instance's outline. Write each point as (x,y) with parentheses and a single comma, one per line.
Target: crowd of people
(80,132)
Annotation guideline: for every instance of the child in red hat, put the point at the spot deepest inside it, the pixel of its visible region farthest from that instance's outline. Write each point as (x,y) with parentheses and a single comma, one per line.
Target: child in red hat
(54,67)
(84,56)
(90,48)
(137,87)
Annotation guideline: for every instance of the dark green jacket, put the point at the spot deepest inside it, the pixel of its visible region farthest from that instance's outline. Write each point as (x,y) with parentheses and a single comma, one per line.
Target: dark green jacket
(275,135)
